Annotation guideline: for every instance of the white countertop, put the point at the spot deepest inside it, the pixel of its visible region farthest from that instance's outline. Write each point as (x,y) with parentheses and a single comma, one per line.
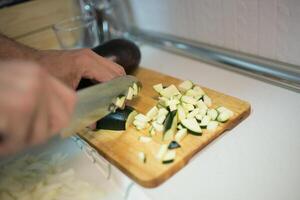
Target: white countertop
(258,159)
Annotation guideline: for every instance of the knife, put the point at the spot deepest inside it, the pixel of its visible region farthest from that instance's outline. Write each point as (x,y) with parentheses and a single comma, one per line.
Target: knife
(95,102)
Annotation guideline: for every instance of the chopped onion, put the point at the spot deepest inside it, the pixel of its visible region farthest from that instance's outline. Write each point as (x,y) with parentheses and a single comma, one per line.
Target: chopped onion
(38,177)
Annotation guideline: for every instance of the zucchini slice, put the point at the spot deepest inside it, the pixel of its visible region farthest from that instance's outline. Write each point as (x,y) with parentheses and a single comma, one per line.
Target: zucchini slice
(187,107)
(140,124)
(142,118)
(212,125)
(130,118)
(161,119)
(223,116)
(130,94)
(163,101)
(180,134)
(207,100)
(158,127)
(224,109)
(173,145)
(172,104)
(198,90)
(162,151)
(193,113)
(205,120)
(116,120)
(135,89)
(200,104)
(188,100)
(213,113)
(158,88)
(169,157)
(120,101)
(162,111)
(169,133)
(152,113)
(181,113)
(169,120)
(170,91)
(185,86)
(192,126)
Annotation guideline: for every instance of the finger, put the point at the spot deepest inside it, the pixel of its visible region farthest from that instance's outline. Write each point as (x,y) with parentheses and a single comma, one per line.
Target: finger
(100,69)
(40,126)
(62,104)
(109,63)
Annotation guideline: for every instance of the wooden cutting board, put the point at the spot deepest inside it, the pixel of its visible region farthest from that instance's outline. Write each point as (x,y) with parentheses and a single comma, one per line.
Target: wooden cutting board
(121,149)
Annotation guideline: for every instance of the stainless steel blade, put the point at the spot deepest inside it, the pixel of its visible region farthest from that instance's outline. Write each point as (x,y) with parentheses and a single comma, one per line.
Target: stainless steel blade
(93,103)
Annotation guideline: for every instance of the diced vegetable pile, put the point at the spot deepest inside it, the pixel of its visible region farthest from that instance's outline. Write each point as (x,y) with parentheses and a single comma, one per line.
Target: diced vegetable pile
(181,110)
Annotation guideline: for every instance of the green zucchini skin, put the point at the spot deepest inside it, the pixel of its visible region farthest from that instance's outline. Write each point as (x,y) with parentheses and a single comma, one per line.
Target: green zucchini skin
(169,119)
(115,121)
(173,145)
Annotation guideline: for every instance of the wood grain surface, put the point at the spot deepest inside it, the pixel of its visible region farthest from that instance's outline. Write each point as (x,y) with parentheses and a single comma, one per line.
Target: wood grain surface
(121,148)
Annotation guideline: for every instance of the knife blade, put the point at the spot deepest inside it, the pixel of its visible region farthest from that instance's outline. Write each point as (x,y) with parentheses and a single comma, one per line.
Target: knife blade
(94,102)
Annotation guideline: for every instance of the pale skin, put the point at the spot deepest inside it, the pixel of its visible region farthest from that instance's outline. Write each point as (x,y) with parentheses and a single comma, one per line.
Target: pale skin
(37,90)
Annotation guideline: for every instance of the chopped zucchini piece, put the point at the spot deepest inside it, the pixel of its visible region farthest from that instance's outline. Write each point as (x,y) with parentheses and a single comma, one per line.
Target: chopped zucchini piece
(199,117)
(158,88)
(213,113)
(193,113)
(181,113)
(163,101)
(224,109)
(162,151)
(169,157)
(187,107)
(173,145)
(199,90)
(205,120)
(135,89)
(140,124)
(169,120)
(130,118)
(200,104)
(120,102)
(152,113)
(130,94)
(180,134)
(158,127)
(212,125)
(172,103)
(185,86)
(188,100)
(119,120)
(207,100)
(142,118)
(223,116)
(161,119)
(169,133)
(162,111)
(192,125)
(179,126)
(169,91)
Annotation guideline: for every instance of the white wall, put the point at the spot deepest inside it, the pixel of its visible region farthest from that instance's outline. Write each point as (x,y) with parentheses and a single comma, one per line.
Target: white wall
(269,28)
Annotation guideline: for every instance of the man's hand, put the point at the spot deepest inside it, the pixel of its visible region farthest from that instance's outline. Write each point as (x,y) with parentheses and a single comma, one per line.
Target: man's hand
(33,105)
(70,66)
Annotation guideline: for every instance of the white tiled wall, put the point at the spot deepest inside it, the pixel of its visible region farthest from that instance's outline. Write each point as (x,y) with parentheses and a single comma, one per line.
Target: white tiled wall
(269,28)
